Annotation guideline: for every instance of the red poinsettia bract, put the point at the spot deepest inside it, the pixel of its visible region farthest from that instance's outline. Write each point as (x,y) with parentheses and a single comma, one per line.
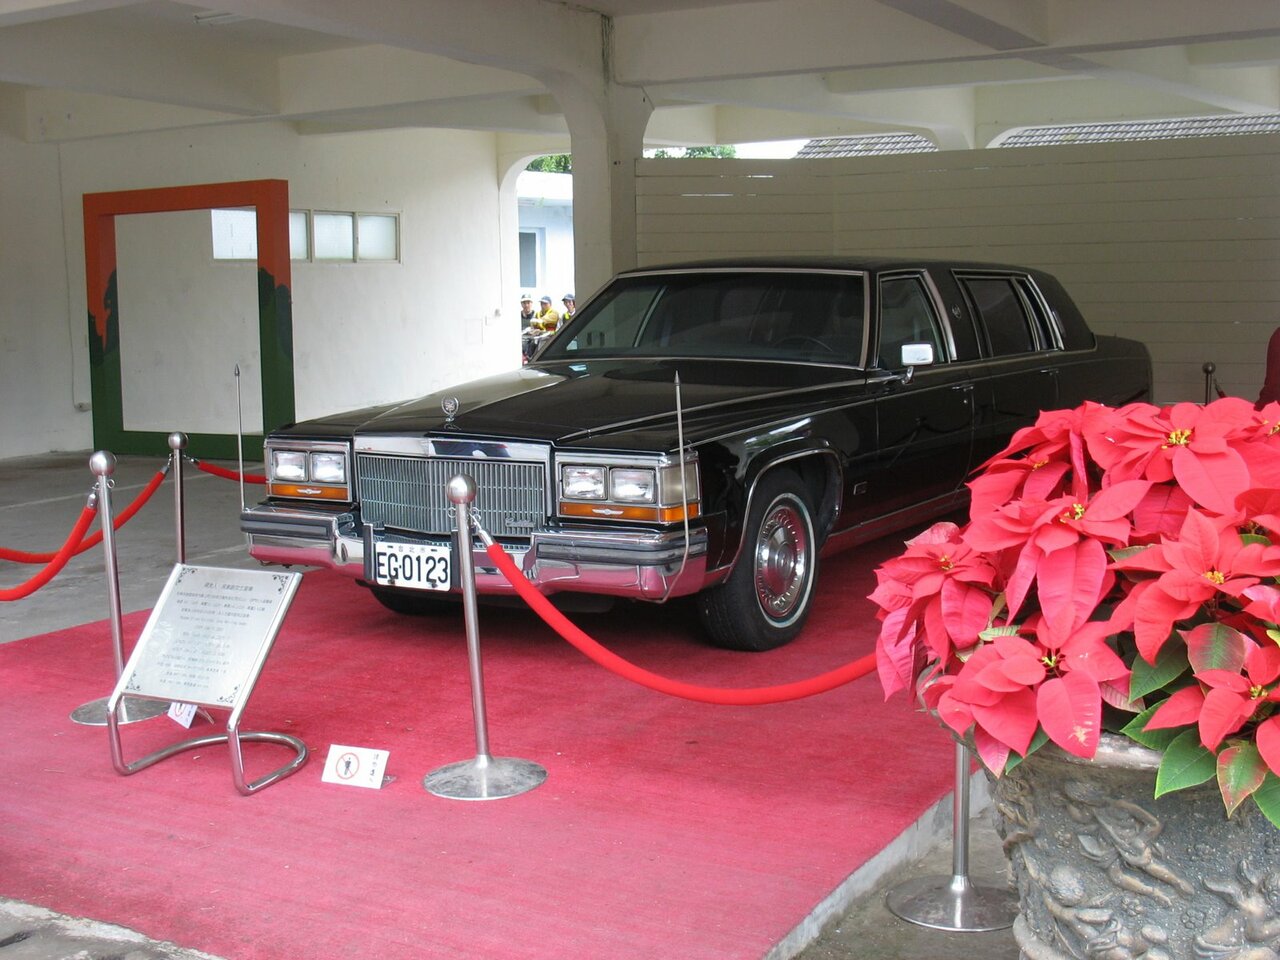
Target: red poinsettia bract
(1117,572)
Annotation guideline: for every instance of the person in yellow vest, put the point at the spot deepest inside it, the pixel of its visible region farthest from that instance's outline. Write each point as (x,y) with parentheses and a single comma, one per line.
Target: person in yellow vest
(546,319)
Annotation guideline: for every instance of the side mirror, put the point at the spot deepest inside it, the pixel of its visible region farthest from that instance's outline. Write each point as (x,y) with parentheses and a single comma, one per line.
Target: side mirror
(917,354)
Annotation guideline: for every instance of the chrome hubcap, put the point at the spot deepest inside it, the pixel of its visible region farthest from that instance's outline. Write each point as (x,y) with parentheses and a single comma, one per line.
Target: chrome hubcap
(782,560)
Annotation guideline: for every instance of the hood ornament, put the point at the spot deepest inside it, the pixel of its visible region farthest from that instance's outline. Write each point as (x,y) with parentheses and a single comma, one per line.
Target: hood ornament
(450,407)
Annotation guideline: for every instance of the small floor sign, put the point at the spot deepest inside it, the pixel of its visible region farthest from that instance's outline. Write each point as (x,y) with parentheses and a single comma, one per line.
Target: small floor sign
(355,766)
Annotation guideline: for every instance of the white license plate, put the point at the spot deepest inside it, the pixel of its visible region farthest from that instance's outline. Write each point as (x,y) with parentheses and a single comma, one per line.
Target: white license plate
(417,566)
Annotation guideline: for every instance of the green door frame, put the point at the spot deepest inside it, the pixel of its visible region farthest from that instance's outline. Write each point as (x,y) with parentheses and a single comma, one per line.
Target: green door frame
(270,198)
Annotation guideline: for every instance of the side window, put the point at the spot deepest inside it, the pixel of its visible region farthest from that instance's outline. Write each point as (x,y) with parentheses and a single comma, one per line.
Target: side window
(1003,312)
(906,316)
(616,323)
(1050,338)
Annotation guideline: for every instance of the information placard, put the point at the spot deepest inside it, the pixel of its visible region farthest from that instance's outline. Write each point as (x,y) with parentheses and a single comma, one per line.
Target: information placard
(208,635)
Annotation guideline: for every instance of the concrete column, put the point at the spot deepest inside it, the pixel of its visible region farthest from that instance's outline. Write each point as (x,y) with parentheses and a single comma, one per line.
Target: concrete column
(606,128)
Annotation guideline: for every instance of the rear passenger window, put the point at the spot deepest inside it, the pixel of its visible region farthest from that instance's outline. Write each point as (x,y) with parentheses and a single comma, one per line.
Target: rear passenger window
(906,316)
(1003,311)
(1050,339)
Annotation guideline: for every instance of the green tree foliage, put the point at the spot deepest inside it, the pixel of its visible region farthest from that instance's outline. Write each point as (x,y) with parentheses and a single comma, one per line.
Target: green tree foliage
(563,162)
(715,150)
(556,163)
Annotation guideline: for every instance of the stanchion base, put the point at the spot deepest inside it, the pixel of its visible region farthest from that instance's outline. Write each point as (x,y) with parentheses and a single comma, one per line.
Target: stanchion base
(94,713)
(484,778)
(953,903)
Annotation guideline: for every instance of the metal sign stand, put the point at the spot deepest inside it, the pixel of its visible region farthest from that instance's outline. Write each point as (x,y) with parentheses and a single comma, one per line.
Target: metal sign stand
(955,902)
(206,643)
(485,777)
(94,713)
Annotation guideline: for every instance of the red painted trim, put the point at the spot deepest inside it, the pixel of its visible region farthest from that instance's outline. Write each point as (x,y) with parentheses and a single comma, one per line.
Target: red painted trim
(269,197)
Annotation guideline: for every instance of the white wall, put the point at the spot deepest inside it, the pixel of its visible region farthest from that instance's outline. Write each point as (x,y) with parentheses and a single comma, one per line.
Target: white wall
(554,225)
(1174,243)
(363,333)
(186,323)
(37,323)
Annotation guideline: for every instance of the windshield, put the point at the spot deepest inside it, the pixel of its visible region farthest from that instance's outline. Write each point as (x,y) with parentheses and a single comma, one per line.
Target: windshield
(758,315)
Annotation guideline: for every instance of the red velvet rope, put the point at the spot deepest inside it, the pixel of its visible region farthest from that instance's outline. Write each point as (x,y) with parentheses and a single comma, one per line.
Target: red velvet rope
(58,561)
(123,517)
(229,474)
(742,696)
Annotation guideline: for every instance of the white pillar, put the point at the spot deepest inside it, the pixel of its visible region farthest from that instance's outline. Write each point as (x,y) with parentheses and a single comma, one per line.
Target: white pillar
(606,129)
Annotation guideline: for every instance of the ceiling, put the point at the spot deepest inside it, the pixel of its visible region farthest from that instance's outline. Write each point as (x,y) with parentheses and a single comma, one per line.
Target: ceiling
(960,72)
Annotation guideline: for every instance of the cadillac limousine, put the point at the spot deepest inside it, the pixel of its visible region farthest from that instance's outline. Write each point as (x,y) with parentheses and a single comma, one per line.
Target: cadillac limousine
(705,430)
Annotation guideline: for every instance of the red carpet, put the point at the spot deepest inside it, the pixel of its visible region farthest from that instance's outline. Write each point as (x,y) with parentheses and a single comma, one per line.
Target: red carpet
(665,828)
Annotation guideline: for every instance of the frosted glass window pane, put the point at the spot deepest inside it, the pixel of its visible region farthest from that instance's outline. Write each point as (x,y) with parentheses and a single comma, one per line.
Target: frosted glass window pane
(334,236)
(299,241)
(377,237)
(235,234)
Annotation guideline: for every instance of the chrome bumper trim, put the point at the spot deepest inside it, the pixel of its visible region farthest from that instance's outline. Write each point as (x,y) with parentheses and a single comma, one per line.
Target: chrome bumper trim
(641,565)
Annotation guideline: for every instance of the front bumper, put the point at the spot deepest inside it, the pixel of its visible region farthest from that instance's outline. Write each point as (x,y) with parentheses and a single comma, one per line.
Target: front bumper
(639,564)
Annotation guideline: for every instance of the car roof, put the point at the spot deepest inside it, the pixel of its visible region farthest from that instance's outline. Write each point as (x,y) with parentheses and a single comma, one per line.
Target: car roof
(874,264)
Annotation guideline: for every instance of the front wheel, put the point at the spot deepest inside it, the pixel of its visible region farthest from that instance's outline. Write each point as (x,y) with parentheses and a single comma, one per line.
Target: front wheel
(766,599)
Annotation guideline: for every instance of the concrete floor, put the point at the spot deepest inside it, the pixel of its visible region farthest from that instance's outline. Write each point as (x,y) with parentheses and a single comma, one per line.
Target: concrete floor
(40,499)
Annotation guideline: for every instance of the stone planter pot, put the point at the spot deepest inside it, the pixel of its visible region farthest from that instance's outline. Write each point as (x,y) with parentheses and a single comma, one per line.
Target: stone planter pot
(1105,871)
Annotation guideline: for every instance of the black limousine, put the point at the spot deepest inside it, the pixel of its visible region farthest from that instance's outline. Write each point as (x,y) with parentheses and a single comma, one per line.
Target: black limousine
(702,429)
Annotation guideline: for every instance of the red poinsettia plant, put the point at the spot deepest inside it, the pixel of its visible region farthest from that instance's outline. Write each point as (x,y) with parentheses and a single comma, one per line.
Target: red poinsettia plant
(1119,571)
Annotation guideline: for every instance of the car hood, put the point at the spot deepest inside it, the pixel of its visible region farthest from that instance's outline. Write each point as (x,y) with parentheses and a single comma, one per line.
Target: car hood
(606,402)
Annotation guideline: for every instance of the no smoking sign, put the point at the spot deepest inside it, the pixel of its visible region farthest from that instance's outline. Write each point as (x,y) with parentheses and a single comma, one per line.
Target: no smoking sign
(355,766)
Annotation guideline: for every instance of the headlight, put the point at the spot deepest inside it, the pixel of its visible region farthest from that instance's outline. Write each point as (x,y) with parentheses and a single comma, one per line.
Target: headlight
(642,489)
(328,468)
(289,466)
(582,482)
(308,469)
(630,485)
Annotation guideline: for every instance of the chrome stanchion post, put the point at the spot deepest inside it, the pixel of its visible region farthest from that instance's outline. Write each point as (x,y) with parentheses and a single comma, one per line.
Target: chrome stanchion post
(955,902)
(94,713)
(485,777)
(177,444)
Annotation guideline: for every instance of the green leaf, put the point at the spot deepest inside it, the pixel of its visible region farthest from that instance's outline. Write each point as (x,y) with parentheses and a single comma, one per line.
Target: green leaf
(1170,664)
(1037,741)
(1003,631)
(1136,730)
(1241,771)
(1186,763)
(1267,797)
(1255,538)
(1123,553)
(1215,646)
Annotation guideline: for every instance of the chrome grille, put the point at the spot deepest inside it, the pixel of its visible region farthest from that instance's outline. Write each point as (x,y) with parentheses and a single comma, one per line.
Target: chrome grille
(409,493)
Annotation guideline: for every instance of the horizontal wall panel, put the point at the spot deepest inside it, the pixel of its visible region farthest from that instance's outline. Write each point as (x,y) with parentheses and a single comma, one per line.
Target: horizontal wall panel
(764,243)
(737,222)
(1175,243)
(1209,291)
(1005,195)
(732,184)
(780,203)
(1086,210)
